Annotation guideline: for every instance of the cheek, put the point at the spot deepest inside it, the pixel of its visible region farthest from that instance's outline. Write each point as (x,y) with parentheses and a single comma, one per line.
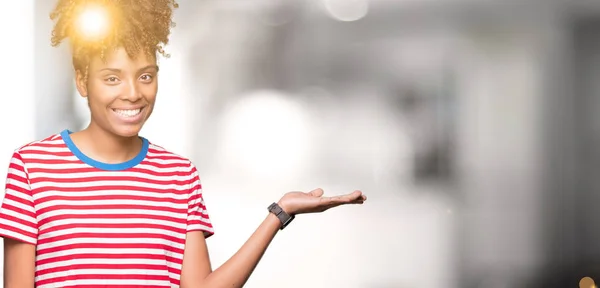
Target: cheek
(149,90)
(100,96)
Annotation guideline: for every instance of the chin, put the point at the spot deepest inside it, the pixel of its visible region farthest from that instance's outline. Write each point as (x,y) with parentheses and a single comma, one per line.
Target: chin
(127,132)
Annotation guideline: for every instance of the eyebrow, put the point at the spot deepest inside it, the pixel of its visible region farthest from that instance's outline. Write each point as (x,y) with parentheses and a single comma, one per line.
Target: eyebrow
(115,70)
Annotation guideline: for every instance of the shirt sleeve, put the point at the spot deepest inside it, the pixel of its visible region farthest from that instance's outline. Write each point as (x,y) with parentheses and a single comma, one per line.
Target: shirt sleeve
(197,219)
(17,213)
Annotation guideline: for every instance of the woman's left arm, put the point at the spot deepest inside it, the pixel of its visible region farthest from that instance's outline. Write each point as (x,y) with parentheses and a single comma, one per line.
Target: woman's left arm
(196,269)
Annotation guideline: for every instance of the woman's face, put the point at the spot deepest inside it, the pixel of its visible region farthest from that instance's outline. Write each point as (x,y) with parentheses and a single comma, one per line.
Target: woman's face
(121,92)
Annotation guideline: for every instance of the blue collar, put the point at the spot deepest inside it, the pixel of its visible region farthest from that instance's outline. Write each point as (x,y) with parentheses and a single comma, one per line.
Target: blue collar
(66,136)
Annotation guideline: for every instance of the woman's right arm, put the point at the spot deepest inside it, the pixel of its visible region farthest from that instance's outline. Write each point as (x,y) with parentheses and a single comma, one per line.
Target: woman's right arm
(19,264)
(18,227)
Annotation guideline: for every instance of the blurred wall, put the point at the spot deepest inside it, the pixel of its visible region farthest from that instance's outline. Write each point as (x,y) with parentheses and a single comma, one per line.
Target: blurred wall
(499,152)
(53,78)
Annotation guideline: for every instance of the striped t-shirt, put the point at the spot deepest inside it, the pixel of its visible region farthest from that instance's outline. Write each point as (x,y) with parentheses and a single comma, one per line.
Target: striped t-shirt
(102,225)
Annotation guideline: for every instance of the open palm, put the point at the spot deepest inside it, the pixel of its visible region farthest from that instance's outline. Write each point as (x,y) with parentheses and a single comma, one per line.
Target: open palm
(314,201)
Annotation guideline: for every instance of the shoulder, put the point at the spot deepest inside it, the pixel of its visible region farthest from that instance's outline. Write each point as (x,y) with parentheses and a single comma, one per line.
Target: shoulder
(38,149)
(41,152)
(167,158)
(173,164)
(50,145)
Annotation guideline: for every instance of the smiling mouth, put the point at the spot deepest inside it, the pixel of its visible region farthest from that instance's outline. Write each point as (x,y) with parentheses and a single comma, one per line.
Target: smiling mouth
(128,113)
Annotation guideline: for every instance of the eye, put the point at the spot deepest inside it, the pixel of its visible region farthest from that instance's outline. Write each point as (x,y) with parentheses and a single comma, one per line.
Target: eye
(146,78)
(111,79)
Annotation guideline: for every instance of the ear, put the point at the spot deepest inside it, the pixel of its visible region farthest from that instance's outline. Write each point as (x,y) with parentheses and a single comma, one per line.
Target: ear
(81,83)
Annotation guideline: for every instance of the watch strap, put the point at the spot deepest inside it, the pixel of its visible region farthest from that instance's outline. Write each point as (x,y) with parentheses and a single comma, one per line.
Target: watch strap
(284,217)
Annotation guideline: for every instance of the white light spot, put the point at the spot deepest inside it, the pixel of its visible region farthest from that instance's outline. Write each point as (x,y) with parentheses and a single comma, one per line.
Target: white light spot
(347,10)
(266,135)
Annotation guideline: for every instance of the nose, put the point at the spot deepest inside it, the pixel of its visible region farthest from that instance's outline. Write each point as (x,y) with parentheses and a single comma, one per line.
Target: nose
(132,93)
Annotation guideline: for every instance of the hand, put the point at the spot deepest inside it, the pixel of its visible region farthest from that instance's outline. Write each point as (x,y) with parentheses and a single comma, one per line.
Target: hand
(313,202)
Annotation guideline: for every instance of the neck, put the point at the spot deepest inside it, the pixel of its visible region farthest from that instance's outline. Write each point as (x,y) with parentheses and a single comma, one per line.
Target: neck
(105,146)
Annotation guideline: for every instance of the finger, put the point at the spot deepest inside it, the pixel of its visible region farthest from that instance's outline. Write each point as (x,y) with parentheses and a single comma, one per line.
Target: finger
(361,198)
(317,192)
(343,199)
(351,197)
(358,201)
(355,197)
(356,194)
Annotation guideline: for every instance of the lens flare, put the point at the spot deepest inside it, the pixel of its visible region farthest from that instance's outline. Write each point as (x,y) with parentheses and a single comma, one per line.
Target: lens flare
(93,22)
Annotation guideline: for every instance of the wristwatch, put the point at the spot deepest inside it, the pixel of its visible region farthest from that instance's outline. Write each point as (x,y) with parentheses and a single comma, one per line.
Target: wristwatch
(281,215)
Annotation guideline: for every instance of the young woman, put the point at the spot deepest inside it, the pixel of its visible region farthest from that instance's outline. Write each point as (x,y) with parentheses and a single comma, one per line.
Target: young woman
(104,207)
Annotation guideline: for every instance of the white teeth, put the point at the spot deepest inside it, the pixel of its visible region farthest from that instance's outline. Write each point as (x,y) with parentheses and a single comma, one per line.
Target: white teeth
(128,113)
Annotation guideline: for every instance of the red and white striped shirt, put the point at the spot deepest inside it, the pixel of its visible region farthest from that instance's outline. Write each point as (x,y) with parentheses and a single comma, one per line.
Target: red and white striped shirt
(102,225)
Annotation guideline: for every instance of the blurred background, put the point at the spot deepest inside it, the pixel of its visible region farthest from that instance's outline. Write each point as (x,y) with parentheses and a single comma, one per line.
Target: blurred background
(472,126)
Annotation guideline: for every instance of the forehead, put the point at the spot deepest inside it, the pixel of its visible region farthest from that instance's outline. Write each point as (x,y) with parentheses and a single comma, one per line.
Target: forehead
(121,60)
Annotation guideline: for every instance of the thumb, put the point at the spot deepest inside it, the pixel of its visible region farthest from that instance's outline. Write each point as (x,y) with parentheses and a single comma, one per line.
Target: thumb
(317,192)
